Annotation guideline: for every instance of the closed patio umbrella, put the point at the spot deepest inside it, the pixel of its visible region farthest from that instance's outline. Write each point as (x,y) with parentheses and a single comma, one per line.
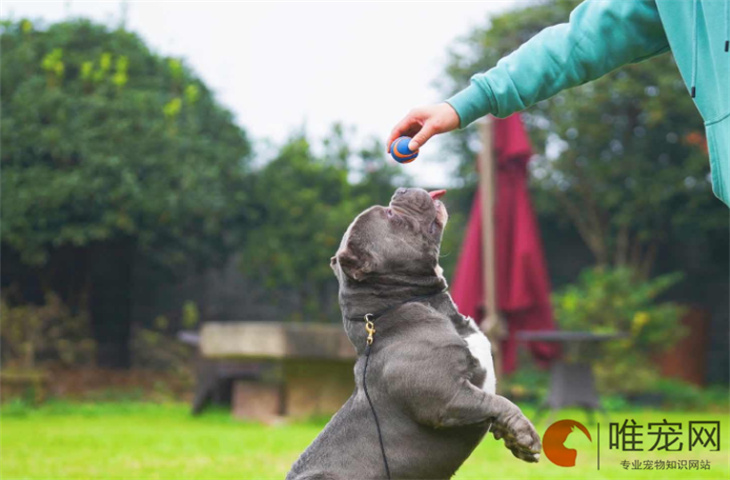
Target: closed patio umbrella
(522,282)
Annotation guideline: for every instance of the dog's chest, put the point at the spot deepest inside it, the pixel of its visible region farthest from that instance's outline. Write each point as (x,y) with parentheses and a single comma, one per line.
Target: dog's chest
(481,351)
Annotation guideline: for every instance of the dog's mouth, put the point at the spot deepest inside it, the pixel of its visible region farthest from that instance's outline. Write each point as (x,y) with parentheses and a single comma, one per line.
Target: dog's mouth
(412,202)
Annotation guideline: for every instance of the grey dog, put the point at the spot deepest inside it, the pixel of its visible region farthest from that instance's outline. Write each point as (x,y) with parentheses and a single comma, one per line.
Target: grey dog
(429,376)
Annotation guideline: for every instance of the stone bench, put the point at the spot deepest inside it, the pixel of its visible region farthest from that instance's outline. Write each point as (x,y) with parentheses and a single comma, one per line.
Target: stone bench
(276,369)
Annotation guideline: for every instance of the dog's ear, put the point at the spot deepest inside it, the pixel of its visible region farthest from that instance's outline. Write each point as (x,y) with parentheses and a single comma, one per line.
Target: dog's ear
(355,264)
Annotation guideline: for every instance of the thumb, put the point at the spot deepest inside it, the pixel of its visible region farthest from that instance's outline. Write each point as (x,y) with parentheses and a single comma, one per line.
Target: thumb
(426,132)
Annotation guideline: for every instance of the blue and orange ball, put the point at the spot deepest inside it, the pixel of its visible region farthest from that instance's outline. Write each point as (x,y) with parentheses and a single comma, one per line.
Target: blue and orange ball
(400,152)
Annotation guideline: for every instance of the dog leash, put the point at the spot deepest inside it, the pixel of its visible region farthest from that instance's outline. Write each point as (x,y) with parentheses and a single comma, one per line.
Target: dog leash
(369,319)
(371,331)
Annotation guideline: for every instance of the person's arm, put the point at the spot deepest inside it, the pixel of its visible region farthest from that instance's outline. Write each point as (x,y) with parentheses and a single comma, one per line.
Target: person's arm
(601,35)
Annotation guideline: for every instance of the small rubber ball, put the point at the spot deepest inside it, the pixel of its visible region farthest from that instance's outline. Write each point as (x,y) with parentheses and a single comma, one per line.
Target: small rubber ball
(400,152)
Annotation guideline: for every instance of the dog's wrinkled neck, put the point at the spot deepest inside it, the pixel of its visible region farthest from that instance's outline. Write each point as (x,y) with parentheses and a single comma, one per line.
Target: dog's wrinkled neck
(384,291)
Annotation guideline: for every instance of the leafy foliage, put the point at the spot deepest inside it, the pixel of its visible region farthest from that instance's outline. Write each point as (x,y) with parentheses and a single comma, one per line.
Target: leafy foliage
(32,334)
(618,301)
(304,203)
(624,157)
(105,140)
(681,395)
(111,154)
(156,348)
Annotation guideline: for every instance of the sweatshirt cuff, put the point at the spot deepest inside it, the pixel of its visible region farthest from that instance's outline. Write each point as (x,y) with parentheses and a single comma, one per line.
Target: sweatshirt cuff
(471,103)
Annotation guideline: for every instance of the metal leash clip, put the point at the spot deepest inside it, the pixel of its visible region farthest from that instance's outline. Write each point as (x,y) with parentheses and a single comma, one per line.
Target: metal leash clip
(369,327)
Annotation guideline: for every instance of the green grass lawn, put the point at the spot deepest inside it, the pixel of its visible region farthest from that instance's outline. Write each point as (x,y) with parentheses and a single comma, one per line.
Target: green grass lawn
(149,441)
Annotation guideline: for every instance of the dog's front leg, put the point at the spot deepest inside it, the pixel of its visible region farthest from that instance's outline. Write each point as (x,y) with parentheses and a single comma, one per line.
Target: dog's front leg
(471,405)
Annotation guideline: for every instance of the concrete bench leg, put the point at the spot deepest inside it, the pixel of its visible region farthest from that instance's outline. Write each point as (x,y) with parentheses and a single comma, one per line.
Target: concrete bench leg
(257,401)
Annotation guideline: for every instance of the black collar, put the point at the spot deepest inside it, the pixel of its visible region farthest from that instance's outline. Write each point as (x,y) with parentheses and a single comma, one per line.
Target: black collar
(371,317)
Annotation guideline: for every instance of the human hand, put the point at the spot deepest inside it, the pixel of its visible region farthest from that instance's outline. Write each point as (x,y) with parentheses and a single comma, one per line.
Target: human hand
(422,123)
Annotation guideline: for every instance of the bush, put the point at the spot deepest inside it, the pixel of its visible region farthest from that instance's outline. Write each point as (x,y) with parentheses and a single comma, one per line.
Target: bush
(680,395)
(527,384)
(33,334)
(158,348)
(616,300)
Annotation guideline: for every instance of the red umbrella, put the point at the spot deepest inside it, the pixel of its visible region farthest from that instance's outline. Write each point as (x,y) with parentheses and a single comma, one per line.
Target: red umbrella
(523,286)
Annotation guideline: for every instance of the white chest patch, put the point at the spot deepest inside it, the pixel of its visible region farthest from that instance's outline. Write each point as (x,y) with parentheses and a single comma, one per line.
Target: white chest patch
(481,349)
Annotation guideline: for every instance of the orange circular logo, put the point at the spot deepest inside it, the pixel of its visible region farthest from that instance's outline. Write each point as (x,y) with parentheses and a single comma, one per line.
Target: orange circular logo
(554,439)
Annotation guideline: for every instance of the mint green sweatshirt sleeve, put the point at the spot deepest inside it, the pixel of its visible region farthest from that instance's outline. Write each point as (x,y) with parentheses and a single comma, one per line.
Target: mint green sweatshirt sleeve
(601,35)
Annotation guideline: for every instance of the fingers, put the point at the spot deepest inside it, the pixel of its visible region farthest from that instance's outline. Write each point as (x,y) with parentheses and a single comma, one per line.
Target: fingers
(406,127)
(426,132)
(423,123)
(420,123)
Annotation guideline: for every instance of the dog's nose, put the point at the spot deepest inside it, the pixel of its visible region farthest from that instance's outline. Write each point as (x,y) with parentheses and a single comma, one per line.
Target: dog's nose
(400,191)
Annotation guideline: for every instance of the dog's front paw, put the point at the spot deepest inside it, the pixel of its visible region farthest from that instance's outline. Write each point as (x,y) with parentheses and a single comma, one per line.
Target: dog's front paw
(518,433)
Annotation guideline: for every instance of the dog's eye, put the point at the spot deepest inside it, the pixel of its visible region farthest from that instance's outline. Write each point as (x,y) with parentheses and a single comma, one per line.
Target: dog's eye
(389,213)
(433,227)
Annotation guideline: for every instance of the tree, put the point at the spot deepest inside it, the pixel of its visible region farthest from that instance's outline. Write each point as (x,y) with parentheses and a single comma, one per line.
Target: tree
(110,154)
(624,157)
(303,205)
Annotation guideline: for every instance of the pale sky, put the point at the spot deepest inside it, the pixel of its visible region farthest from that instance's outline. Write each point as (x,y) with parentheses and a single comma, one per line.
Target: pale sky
(279,66)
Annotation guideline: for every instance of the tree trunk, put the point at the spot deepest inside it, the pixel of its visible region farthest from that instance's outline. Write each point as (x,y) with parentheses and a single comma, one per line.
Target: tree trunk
(589,228)
(110,274)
